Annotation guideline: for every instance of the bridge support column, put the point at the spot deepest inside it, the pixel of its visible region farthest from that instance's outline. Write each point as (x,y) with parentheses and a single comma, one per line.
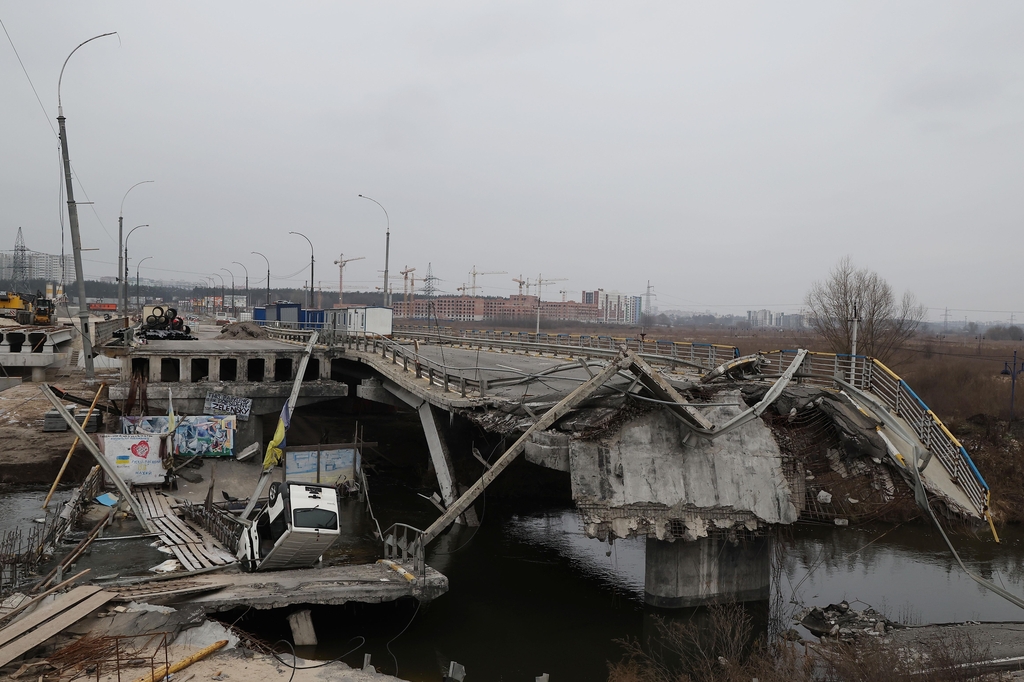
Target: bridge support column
(684,574)
(249,432)
(442,461)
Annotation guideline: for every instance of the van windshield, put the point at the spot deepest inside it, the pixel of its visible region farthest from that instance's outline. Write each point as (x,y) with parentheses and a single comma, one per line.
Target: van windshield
(316,518)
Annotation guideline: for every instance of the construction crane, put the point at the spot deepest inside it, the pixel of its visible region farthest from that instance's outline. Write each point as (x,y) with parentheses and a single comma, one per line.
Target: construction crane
(563,292)
(341,272)
(473,273)
(541,282)
(406,289)
(521,282)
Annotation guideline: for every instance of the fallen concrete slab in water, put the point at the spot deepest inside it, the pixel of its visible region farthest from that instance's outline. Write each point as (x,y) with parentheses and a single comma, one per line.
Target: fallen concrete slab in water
(333,585)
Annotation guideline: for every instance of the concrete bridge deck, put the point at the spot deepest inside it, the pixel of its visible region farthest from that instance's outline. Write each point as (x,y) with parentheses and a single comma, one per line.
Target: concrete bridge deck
(706,448)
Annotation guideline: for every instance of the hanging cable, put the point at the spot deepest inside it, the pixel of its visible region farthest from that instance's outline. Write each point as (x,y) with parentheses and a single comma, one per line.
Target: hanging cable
(388,647)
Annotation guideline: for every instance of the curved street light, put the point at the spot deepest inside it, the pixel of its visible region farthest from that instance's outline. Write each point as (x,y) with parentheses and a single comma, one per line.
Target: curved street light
(122,265)
(246,283)
(387,248)
(126,262)
(311,261)
(257,253)
(234,312)
(217,274)
(76,235)
(137,281)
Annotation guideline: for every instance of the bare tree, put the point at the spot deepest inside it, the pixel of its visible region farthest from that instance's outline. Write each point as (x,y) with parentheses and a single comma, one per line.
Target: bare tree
(885,322)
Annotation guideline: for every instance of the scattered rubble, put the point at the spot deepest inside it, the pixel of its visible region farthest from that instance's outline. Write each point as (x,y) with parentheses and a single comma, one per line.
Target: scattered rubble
(846,624)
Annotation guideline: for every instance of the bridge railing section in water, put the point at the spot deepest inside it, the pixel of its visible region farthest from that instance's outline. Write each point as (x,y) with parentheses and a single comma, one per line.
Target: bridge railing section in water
(871,375)
(403,544)
(703,355)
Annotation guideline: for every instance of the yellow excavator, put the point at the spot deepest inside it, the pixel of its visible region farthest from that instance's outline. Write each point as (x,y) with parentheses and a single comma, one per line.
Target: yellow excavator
(27,309)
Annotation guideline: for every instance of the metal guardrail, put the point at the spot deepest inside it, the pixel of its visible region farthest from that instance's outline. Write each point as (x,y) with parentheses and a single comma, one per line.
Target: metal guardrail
(403,544)
(871,375)
(704,356)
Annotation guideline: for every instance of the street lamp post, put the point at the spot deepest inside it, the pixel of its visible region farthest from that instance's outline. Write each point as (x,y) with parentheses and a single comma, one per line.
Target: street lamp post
(137,282)
(387,249)
(246,283)
(221,291)
(257,253)
(311,262)
(122,284)
(1013,372)
(234,311)
(127,237)
(76,235)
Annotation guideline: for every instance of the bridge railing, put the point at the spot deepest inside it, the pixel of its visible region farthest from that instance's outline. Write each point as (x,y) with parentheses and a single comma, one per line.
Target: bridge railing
(705,356)
(403,544)
(456,379)
(873,376)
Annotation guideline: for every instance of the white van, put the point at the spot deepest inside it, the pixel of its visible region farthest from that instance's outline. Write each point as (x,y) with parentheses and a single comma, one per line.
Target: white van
(293,530)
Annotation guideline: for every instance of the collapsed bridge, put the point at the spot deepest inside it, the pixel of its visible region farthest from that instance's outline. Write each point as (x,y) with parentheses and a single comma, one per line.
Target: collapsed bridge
(690,446)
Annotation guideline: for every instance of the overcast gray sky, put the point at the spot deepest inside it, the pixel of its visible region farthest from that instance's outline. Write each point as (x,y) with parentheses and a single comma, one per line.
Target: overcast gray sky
(730,153)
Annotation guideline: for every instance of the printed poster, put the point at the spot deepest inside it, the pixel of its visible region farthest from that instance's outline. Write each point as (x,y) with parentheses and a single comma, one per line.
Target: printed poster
(329,466)
(207,436)
(135,458)
(218,403)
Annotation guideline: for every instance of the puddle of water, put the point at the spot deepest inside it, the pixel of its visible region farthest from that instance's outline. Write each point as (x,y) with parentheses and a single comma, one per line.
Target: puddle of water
(20,509)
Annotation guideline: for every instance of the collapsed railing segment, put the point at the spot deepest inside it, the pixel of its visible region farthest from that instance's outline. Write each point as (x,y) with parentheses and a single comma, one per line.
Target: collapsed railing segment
(403,544)
(870,375)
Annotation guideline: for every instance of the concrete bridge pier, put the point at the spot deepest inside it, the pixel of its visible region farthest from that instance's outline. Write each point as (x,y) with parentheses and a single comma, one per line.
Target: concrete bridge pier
(683,574)
(248,432)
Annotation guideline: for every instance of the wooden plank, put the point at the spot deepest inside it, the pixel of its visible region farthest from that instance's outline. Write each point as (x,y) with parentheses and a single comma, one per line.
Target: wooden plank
(24,644)
(188,565)
(195,551)
(44,613)
(163,504)
(171,533)
(207,554)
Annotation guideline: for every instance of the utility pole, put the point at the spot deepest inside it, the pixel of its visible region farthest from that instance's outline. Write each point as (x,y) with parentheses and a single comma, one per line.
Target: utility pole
(341,273)
(76,236)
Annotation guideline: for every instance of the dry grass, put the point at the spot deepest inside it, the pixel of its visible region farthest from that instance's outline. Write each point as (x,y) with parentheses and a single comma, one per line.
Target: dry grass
(722,650)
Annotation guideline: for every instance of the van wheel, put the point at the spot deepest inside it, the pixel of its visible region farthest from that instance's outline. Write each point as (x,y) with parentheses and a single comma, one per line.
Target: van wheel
(275,492)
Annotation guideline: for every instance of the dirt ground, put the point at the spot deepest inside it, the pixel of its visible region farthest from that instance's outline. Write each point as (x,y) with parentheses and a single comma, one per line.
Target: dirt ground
(29,456)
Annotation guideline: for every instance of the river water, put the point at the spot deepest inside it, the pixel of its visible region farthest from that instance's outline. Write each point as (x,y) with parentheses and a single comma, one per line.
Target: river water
(529,593)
